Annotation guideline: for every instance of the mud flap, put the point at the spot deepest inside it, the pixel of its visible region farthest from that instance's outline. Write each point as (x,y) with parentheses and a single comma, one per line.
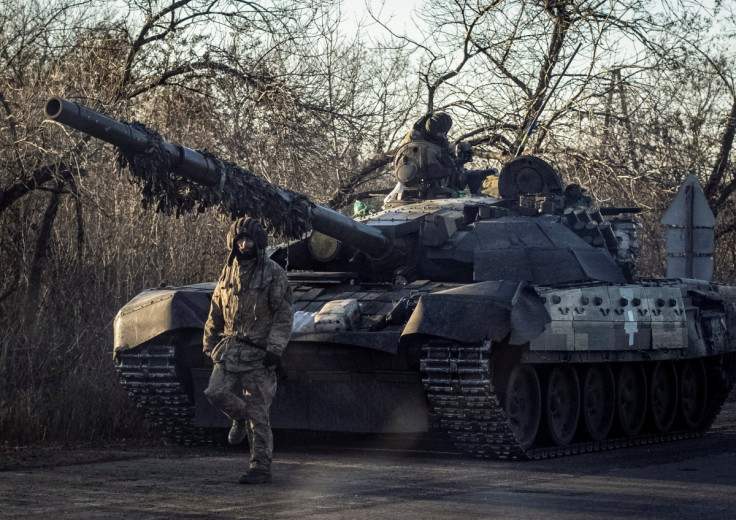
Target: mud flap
(486,310)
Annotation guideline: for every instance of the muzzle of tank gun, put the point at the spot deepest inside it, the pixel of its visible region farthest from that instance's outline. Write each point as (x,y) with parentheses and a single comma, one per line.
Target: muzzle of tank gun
(185,161)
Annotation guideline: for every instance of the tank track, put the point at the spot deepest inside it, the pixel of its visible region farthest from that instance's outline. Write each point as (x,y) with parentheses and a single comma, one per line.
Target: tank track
(722,374)
(458,383)
(150,376)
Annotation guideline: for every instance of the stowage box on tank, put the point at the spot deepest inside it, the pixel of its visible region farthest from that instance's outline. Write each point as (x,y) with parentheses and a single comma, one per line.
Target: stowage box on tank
(516,324)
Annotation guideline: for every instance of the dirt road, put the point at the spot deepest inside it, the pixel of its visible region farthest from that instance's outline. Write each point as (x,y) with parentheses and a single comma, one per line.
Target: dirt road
(355,478)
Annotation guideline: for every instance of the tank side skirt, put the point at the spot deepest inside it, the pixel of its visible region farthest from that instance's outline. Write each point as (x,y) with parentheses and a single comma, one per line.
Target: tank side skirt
(631,322)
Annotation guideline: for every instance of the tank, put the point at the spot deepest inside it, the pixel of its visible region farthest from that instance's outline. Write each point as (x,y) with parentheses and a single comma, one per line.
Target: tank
(515,324)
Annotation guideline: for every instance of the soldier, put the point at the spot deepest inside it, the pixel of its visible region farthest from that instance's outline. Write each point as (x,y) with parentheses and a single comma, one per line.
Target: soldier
(247,331)
(432,128)
(425,153)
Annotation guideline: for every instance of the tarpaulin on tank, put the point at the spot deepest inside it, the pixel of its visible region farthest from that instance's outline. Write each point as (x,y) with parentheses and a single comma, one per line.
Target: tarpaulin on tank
(474,312)
(156,311)
(539,251)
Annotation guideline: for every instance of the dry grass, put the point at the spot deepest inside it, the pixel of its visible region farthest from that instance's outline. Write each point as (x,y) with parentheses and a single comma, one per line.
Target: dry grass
(57,376)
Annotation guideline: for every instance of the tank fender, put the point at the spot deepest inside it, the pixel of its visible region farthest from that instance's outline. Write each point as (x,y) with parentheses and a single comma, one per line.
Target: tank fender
(713,317)
(491,310)
(157,311)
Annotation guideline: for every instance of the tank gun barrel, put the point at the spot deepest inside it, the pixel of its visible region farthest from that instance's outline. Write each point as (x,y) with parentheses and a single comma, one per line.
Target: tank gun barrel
(184,161)
(197,167)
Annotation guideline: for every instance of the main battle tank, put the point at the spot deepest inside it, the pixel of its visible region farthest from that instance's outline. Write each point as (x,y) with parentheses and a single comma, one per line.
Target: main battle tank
(515,323)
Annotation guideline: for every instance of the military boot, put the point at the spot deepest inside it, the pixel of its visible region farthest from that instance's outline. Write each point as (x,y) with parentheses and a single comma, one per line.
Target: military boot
(256,476)
(238,432)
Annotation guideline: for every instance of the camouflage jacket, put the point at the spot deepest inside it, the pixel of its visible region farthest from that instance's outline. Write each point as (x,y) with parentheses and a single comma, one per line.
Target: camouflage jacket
(251,305)
(416,134)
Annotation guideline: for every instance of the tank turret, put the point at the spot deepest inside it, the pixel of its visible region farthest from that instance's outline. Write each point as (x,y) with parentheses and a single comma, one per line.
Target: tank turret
(447,239)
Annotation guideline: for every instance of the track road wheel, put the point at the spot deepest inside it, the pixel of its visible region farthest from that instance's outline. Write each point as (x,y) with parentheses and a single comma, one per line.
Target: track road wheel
(523,404)
(663,395)
(562,402)
(599,401)
(693,393)
(631,398)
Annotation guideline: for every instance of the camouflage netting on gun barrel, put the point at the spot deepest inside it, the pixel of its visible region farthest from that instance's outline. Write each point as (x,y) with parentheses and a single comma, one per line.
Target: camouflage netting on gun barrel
(243,193)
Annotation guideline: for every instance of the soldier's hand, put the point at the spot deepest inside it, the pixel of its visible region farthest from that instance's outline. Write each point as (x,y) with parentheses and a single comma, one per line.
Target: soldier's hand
(272,360)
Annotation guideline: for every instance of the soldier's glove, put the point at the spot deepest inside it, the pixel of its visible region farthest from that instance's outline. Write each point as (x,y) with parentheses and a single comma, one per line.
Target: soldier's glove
(273,361)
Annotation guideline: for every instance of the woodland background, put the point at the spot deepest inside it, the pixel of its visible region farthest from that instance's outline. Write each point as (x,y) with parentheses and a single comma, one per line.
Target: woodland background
(291,91)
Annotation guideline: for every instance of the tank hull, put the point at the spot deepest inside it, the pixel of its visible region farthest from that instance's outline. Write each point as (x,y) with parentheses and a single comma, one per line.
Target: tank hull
(362,380)
(468,379)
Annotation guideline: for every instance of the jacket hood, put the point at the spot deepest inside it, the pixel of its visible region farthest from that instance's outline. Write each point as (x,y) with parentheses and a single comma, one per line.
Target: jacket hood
(249,227)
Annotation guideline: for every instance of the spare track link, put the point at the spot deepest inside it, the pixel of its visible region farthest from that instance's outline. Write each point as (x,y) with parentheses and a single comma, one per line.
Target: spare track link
(458,383)
(150,376)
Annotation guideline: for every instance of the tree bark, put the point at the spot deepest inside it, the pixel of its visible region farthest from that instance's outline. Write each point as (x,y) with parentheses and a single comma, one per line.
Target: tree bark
(40,177)
(346,193)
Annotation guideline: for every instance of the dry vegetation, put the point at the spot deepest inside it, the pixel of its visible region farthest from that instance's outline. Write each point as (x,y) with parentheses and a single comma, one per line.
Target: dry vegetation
(279,88)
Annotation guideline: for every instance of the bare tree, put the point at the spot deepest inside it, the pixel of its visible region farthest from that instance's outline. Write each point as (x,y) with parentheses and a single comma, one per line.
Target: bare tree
(68,221)
(491,64)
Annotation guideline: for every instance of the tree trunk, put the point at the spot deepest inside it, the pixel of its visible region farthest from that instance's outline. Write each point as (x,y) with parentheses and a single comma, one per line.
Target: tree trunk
(717,194)
(42,252)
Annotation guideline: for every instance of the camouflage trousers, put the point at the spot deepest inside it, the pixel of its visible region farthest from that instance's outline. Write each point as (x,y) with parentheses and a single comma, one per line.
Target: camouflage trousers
(259,388)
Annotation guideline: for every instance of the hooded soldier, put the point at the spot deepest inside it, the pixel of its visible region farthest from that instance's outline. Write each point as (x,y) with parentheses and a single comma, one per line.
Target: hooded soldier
(425,153)
(436,127)
(247,331)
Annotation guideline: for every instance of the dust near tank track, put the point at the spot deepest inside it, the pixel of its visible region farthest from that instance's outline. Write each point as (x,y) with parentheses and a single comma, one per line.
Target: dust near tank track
(458,383)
